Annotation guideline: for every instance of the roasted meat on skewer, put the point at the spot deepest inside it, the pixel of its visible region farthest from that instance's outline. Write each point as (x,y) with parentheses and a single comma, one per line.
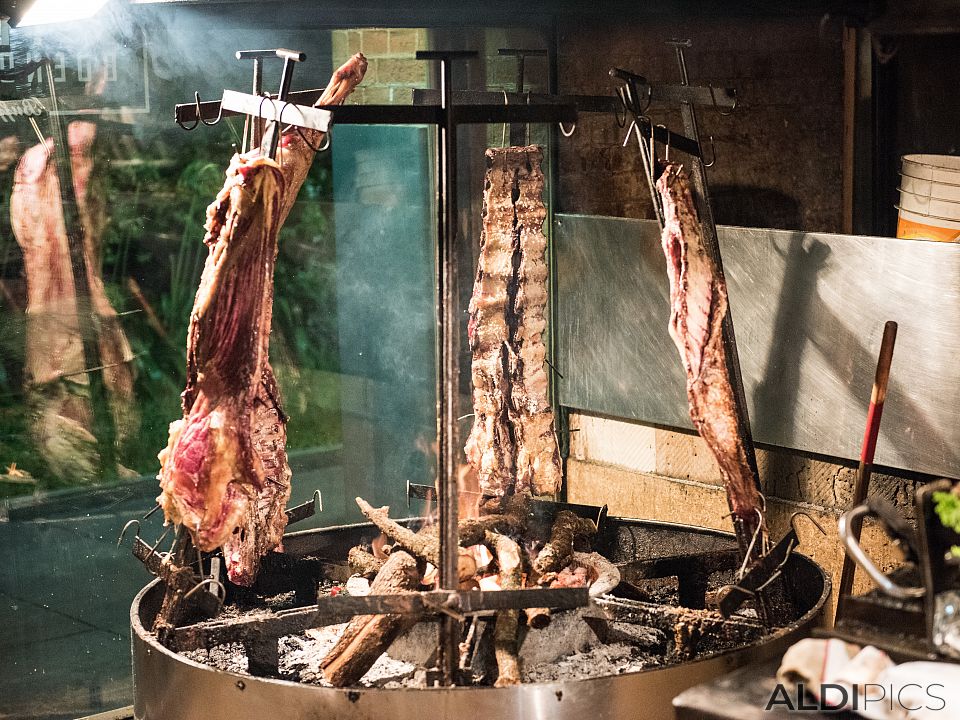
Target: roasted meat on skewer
(512,446)
(698,304)
(224,473)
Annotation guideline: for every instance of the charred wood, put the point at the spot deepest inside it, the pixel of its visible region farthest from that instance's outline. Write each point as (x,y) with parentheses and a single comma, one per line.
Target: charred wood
(507,627)
(367,637)
(558,552)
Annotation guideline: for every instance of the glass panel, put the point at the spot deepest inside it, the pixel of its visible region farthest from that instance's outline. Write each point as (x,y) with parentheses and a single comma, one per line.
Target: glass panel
(353,321)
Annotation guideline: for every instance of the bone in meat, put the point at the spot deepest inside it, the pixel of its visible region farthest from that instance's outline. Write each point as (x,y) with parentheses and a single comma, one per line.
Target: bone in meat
(698,304)
(213,469)
(241,504)
(54,349)
(512,445)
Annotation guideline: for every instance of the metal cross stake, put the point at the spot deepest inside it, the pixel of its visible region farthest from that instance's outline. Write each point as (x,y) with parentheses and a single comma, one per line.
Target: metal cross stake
(446,115)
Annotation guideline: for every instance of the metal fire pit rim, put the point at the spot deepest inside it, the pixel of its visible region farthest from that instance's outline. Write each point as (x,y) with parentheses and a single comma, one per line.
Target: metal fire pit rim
(138,631)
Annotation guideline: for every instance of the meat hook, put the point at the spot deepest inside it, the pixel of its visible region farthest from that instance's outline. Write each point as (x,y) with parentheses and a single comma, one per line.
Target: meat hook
(196,97)
(564,132)
(808,516)
(125,528)
(713,154)
(221,591)
(713,97)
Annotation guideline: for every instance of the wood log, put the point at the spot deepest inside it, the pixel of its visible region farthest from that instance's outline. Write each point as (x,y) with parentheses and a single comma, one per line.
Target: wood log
(507,626)
(538,618)
(367,637)
(424,545)
(363,563)
(556,554)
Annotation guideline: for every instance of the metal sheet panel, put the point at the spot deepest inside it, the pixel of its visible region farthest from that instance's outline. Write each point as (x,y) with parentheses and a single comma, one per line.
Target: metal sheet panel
(809,310)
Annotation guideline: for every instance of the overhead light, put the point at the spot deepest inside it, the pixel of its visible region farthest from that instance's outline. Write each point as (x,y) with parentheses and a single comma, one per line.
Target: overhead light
(23,13)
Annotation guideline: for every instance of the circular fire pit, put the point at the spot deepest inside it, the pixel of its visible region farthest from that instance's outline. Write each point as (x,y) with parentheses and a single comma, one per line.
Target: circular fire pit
(169,686)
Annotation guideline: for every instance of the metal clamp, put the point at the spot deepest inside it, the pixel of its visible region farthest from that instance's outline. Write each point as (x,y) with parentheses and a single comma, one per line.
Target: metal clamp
(853,549)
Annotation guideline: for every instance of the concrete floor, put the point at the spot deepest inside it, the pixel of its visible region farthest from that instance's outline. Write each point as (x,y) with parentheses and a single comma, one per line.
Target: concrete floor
(65,592)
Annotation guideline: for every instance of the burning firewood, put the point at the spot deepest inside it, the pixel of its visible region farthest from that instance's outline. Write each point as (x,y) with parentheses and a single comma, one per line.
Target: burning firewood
(507,627)
(556,554)
(363,563)
(367,637)
(424,545)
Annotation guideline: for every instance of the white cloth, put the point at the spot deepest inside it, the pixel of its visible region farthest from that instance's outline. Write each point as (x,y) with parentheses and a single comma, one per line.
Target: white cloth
(873,686)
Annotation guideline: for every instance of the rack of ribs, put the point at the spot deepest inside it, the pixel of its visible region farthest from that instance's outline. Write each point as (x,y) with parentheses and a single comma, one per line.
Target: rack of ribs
(512,445)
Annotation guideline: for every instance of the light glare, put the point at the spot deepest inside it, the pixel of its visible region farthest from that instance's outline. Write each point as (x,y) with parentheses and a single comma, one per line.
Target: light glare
(43,12)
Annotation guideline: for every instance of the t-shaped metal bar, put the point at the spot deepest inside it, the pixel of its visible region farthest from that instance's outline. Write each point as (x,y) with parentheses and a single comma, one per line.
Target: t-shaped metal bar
(258,56)
(447,320)
(518,132)
(286,77)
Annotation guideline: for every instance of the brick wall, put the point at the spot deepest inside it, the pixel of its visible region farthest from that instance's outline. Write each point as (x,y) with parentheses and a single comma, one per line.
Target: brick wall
(778,155)
(656,474)
(392,71)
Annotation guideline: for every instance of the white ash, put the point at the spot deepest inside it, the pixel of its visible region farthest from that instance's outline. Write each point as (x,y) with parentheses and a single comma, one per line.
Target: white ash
(300,657)
(230,657)
(599,661)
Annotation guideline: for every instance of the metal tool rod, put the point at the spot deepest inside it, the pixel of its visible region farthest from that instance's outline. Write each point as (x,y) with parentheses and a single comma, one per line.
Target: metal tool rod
(448,363)
(861,484)
(257,136)
(744,527)
(286,77)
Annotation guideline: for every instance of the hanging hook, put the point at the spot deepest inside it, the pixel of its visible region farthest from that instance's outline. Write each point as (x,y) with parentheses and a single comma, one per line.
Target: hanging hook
(626,139)
(753,541)
(125,528)
(326,136)
(563,131)
(221,591)
(713,154)
(196,97)
(716,107)
(620,120)
(808,516)
(273,105)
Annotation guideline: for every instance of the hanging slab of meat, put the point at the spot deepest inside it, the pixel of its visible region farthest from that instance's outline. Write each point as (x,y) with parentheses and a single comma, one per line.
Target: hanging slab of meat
(55,368)
(512,445)
(698,304)
(212,471)
(225,474)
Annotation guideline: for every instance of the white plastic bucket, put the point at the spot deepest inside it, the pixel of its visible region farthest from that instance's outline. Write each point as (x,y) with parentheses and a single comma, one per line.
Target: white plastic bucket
(930,198)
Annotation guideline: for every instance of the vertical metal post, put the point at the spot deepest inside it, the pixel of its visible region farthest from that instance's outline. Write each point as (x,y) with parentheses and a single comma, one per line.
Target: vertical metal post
(286,77)
(447,358)
(257,132)
(449,510)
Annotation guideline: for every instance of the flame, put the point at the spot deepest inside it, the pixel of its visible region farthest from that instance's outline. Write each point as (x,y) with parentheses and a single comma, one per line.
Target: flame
(490,582)
(377,547)
(481,554)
